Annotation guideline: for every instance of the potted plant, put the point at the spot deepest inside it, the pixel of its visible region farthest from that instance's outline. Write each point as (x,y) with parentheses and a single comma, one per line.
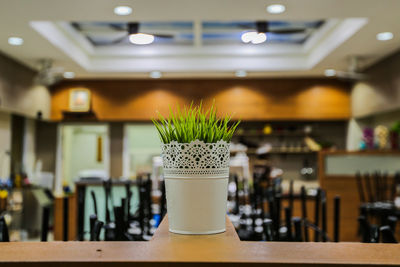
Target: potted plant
(195,154)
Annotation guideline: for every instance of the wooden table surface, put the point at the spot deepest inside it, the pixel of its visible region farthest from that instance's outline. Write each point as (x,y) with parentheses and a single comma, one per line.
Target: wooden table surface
(167,249)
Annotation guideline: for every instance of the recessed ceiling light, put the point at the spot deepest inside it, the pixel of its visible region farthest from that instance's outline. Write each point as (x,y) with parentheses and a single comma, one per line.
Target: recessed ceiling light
(254,37)
(241,73)
(141,38)
(155,74)
(276,9)
(15,41)
(69,75)
(384,36)
(122,10)
(330,72)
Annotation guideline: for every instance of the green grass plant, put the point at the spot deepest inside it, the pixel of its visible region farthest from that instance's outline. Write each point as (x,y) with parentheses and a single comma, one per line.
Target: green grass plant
(191,123)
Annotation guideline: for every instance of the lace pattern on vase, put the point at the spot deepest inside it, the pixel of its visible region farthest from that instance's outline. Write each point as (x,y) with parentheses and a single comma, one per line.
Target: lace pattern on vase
(196,159)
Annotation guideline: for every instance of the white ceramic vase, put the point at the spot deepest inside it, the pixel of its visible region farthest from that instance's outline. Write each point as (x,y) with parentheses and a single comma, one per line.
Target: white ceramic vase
(196,179)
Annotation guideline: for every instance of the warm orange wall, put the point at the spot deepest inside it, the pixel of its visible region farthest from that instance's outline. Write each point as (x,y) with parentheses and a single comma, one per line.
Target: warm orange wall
(260,99)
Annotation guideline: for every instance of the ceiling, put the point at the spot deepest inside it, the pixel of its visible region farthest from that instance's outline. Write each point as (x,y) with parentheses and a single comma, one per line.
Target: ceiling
(206,36)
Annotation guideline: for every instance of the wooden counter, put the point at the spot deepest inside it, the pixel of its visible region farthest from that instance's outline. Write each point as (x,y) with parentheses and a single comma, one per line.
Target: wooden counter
(167,249)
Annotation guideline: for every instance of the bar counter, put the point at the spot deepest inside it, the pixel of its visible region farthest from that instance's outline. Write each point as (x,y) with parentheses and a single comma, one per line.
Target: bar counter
(166,249)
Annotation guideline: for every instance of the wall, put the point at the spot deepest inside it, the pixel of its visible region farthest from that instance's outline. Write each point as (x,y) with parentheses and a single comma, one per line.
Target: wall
(45,145)
(143,143)
(260,99)
(116,130)
(18,94)
(381,91)
(80,150)
(5,144)
(375,101)
(28,154)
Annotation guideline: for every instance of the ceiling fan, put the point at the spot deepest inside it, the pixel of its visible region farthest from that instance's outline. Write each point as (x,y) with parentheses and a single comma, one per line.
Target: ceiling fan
(263,27)
(353,73)
(134,36)
(47,74)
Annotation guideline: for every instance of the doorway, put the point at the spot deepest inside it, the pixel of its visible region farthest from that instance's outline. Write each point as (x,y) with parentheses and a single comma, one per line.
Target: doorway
(84,152)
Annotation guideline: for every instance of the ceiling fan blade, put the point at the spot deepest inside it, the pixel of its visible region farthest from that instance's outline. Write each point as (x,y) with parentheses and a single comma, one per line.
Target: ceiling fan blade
(288,31)
(118,27)
(164,35)
(347,75)
(119,40)
(245,26)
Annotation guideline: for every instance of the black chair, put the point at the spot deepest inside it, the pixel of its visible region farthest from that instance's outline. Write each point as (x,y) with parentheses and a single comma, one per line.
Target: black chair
(81,194)
(298,233)
(120,226)
(303,197)
(45,223)
(139,224)
(94,200)
(377,204)
(288,219)
(291,196)
(65,218)
(259,225)
(95,228)
(92,221)
(109,226)
(128,200)
(369,232)
(336,218)
(163,200)
(387,234)
(236,208)
(324,222)
(303,225)
(316,213)
(4,236)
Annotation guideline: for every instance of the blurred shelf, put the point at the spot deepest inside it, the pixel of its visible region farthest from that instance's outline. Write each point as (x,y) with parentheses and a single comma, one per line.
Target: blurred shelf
(79,115)
(253,152)
(274,134)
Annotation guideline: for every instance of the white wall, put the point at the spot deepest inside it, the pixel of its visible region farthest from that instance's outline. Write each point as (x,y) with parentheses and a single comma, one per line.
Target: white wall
(354,135)
(375,101)
(28,155)
(79,150)
(27,101)
(368,99)
(381,91)
(5,144)
(141,144)
(18,93)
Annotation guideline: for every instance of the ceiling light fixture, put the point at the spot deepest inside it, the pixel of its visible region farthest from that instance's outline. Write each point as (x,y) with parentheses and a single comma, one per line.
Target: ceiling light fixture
(276,9)
(155,74)
(330,72)
(15,41)
(141,38)
(69,75)
(254,37)
(384,36)
(241,73)
(122,10)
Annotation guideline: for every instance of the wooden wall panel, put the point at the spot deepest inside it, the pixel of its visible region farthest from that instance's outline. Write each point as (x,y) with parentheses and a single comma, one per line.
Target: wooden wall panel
(116,131)
(58,227)
(45,144)
(259,99)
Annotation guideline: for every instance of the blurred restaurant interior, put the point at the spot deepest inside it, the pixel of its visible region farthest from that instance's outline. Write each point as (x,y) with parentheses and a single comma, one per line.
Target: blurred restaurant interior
(315,84)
